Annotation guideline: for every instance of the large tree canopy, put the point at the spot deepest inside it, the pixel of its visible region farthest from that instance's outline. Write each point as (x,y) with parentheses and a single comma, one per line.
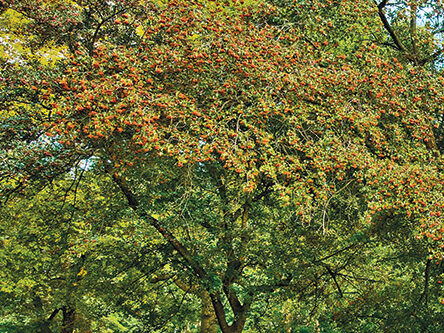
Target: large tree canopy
(257,152)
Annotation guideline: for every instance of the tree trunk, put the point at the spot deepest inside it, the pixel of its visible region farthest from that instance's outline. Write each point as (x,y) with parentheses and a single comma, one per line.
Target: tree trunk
(208,320)
(69,317)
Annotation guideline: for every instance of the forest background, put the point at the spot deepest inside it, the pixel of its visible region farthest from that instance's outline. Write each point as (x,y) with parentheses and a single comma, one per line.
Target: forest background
(221,166)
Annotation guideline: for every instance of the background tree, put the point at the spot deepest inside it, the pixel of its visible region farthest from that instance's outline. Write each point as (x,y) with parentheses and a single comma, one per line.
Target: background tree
(271,156)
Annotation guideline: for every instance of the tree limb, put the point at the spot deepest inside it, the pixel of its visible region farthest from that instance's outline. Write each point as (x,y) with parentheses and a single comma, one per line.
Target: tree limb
(53,314)
(425,292)
(413,10)
(134,204)
(388,27)
(333,275)
(198,270)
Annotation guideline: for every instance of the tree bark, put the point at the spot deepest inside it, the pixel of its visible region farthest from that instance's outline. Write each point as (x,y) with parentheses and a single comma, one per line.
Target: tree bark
(69,317)
(240,311)
(208,320)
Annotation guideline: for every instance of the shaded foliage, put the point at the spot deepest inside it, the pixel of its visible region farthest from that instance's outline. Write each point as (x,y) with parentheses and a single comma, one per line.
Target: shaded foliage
(278,162)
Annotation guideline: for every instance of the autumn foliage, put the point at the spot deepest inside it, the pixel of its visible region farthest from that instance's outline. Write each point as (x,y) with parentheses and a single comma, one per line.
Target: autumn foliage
(201,84)
(291,101)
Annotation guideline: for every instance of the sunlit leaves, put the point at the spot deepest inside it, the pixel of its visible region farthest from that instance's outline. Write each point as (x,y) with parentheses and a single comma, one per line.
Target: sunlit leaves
(263,135)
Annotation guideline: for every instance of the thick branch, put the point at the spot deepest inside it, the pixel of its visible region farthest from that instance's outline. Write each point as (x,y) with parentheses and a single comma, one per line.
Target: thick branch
(134,204)
(333,275)
(99,26)
(245,217)
(413,31)
(234,301)
(388,27)
(184,253)
(431,142)
(425,292)
(53,314)
(220,313)
(208,319)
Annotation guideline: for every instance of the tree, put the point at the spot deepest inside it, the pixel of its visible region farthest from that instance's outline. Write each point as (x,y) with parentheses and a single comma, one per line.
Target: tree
(270,156)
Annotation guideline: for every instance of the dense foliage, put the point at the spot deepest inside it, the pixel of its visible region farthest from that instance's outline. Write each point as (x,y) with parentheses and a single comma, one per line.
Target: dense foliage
(252,166)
